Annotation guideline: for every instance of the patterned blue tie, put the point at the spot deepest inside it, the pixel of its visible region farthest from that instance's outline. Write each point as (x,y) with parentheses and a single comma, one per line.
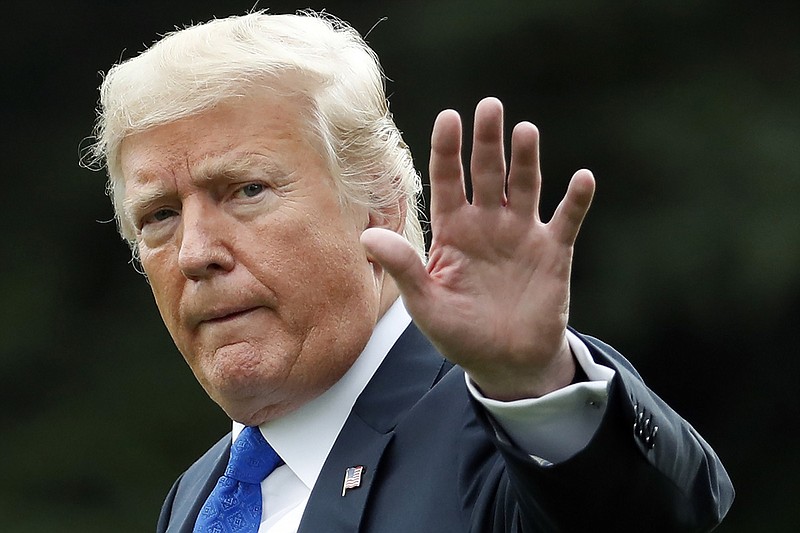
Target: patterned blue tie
(234,506)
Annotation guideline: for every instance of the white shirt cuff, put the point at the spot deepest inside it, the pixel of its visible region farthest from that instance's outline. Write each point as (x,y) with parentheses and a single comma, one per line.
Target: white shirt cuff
(553,428)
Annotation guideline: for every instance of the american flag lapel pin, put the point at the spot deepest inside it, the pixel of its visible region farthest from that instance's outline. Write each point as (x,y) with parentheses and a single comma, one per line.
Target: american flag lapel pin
(352,478)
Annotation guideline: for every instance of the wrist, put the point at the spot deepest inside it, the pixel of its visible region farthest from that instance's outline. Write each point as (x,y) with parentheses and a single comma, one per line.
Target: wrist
(529,381)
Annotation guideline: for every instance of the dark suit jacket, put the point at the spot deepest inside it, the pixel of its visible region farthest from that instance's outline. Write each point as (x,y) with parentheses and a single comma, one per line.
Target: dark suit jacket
(434,462)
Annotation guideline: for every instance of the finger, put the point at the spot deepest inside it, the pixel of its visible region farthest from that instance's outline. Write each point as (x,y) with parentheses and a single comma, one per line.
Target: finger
(447,172)
(524,177)
(569,215)
(488,162)
(396,255)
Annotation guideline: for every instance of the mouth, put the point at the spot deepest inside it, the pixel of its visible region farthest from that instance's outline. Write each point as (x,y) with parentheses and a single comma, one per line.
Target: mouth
(222,316)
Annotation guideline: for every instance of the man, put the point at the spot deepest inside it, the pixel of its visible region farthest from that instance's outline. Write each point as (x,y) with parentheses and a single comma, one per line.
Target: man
(259,178)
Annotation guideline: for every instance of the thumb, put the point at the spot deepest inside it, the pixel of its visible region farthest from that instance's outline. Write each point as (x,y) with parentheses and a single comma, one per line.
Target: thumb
(396,255)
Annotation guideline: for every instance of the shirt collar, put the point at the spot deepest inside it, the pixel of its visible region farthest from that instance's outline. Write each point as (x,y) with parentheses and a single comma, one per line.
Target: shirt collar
(304,437)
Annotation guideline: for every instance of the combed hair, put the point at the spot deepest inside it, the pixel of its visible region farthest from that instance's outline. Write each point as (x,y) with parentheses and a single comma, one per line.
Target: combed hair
(314,56)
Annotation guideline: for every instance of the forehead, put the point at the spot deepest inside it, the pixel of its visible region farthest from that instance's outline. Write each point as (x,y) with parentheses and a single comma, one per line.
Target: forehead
(271,126)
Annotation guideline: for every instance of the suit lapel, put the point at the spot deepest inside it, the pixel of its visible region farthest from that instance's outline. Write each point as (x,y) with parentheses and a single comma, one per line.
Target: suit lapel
(196,484)
(328,510)
(409,370)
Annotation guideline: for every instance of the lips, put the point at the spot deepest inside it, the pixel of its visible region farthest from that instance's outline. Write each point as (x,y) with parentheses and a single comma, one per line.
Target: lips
(223,315)
(203,304)
(220,314)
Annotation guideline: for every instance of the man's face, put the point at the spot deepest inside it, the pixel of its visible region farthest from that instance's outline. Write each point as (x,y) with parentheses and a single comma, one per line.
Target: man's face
(256,267)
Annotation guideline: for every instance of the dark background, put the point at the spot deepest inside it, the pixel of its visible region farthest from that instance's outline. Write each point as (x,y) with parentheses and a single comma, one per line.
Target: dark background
(687,111)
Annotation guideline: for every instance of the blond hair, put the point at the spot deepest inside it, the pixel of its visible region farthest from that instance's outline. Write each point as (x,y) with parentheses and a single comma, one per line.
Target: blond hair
(315,56)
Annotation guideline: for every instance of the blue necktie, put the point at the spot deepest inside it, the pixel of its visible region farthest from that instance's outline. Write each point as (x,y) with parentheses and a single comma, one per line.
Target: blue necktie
(234,506)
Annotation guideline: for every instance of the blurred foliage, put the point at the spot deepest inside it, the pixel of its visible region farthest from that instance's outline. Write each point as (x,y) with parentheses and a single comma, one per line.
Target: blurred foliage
(689,263)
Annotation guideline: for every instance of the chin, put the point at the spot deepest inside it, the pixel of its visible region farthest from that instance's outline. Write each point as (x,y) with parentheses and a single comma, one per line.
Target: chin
(255,410)
(252,419)
(253,396)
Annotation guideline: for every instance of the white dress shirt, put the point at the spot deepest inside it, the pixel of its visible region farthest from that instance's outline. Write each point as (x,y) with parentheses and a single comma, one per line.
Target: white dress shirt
(551,428)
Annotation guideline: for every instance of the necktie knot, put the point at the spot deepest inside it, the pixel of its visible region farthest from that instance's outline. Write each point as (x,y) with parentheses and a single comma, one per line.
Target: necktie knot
(252,458)
(234,506)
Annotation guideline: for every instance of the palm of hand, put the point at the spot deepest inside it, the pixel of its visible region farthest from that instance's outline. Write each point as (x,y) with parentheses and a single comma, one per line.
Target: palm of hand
(494,297)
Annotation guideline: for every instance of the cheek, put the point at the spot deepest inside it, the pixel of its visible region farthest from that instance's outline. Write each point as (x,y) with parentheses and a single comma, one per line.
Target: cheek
(338,262)
(165,282)
(324,273)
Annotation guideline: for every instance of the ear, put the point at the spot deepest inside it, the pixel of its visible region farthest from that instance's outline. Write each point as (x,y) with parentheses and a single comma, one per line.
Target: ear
(391,217)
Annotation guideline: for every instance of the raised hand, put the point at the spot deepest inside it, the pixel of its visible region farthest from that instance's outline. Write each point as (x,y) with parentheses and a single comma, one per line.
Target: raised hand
(494,296)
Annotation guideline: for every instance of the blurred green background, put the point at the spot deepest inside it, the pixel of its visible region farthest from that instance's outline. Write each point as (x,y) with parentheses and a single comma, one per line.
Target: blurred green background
(687,111)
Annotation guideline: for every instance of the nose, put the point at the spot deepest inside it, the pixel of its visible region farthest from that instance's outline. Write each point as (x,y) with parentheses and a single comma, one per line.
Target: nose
(203,248)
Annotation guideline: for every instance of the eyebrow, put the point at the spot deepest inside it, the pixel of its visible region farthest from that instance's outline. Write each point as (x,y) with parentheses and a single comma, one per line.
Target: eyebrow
(146,195)
(237,166)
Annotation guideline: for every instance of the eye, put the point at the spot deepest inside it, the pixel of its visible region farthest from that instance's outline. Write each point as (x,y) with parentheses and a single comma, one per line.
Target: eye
(251,190)
(159,215)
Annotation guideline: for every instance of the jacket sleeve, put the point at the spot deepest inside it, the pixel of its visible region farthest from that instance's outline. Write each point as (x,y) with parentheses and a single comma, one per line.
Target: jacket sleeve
(645,469)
